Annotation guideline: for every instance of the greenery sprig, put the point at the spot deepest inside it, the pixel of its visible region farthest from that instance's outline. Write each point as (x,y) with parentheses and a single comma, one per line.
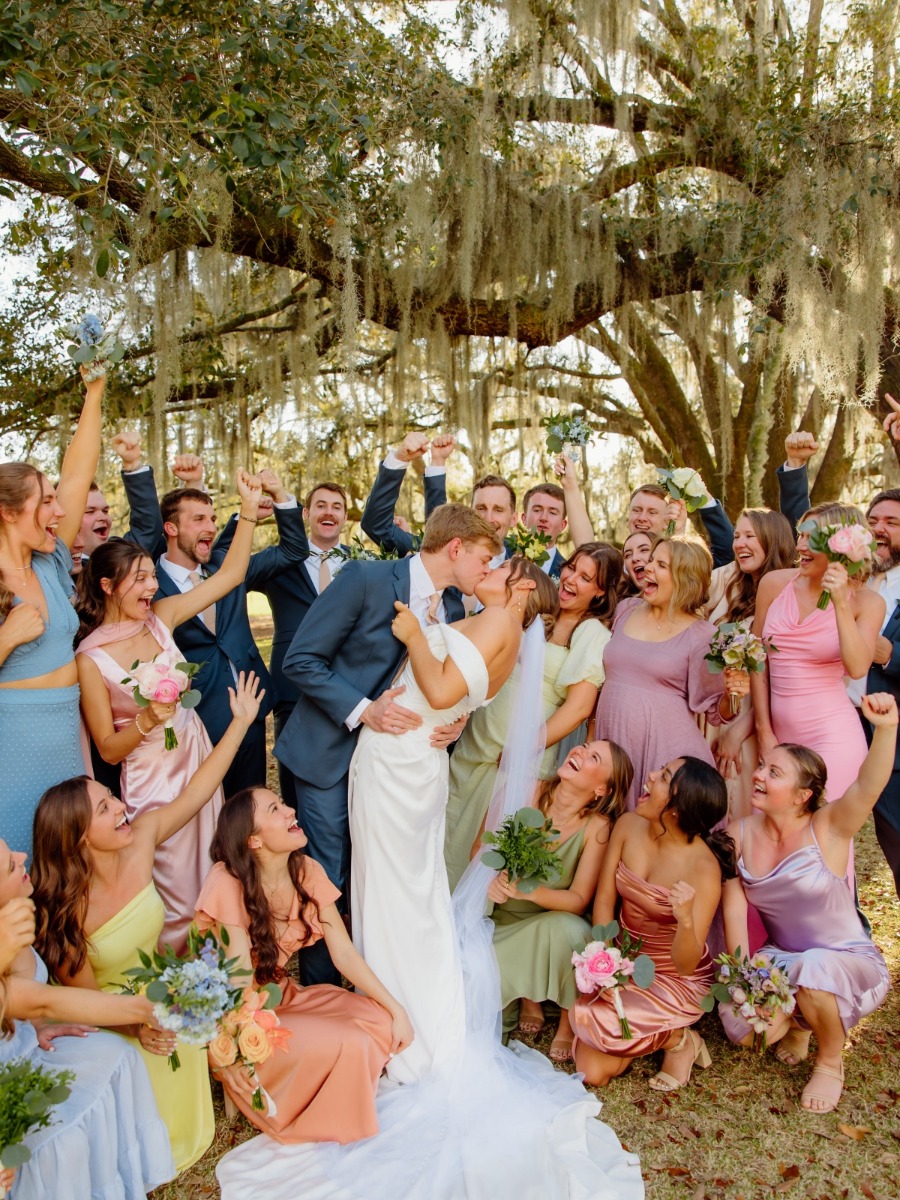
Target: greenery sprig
(530,543)
(28,1094)
(525,847)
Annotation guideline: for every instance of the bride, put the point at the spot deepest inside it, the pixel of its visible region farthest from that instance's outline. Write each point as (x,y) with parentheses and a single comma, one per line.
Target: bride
(475,1119)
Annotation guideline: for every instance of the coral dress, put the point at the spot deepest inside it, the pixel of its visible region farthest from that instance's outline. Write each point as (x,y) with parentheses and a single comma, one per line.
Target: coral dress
(183,1097)
(323,1083)
(652,696)
(153,776)
(673,1000)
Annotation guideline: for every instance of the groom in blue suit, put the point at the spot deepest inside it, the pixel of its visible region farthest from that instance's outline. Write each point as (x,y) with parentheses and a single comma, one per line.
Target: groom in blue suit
(343,660)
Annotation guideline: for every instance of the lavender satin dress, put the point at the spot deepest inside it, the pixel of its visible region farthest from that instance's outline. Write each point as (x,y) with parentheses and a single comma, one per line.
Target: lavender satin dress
(813,931)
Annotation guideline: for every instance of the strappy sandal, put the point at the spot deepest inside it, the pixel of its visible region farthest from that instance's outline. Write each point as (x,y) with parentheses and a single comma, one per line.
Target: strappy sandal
(826,1093)
(561,1049)
(793,1047)
(532,1024)
(662,1081)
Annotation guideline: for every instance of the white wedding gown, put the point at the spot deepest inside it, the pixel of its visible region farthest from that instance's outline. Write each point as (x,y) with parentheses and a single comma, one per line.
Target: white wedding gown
(476,1120)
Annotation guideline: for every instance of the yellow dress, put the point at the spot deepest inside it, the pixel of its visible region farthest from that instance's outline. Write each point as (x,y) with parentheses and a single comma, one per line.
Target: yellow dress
(183,1097)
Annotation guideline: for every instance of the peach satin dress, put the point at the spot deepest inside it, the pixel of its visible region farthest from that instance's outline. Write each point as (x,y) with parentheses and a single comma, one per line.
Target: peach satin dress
(672,1002)
(323,1083)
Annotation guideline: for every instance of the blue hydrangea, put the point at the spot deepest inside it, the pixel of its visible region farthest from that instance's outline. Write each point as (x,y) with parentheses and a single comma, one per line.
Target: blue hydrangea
(90,330)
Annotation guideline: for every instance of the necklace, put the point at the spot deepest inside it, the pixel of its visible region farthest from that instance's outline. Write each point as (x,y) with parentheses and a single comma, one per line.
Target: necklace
(23,569)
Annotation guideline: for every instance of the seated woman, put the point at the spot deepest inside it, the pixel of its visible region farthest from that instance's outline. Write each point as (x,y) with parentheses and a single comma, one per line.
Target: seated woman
(652,854)
(536,933)
(97,906)
(272,899)
(794,855)
(107,1139)
(121,623)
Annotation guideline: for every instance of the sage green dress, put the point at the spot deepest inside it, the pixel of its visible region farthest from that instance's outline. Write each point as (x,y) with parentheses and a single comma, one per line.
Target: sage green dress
(475,757)
(534,945)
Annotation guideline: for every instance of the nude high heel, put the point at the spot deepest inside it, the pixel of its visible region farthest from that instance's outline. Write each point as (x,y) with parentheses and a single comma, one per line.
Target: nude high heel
(664,1082)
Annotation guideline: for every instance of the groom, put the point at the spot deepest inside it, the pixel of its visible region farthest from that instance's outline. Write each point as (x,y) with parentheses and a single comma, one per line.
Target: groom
(343,659)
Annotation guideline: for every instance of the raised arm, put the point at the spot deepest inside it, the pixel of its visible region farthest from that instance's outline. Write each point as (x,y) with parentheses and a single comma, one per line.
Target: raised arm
(377,520)
(79,464)
(580,528)
(845,817)
(146,526)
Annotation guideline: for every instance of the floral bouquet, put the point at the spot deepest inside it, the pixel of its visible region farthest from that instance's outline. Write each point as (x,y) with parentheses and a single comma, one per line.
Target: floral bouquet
(852,545)
(755,988)
(602,964)
(165,684)
(567,435)
(524,847)
(250,1035)
(190,993)
(358,552)
(90,343)
(530,543)
(682,483)
(27,1095)
(733,645)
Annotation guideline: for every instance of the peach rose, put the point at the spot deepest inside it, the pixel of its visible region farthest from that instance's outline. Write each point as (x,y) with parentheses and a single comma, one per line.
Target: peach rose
(252,999)
(222,1051)
(254,1045)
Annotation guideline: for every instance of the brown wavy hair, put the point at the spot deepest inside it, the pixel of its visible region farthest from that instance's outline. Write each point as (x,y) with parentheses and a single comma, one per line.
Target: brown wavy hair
(17,484)
(543,601)
(610,805)
(113,561)
(610,564)
(777,540)
(230,846)
(61,871)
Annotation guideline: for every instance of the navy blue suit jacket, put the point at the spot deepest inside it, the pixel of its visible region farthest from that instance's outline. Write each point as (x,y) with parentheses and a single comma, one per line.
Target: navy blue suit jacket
(886,678)
(145,517)
(377,520)
(233,642)
(793,493)
(721,533)
(343,652)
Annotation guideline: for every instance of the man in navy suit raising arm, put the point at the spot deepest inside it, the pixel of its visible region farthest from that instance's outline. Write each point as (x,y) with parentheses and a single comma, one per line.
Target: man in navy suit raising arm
(378,521)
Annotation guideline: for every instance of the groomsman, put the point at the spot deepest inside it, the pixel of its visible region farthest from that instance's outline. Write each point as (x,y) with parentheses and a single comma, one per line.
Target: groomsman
(377,521)
(544,509)
(343,661)
(650,508)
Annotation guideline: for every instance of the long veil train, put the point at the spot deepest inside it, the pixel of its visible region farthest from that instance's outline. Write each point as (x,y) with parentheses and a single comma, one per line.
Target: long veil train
(495,1120)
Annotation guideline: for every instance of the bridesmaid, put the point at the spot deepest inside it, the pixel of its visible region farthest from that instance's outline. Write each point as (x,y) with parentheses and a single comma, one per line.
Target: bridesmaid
(652,853)
(657,677)
(536,933)
(121,624)
(97,906)
(272,899)
(636,551)
(107,1139)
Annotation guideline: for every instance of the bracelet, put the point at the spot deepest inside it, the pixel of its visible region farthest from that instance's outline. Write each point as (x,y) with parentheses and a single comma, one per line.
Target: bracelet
(141,731)
(252,520)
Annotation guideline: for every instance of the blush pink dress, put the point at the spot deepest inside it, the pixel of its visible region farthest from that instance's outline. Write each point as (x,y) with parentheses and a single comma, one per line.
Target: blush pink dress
(153,776)
(323,1082)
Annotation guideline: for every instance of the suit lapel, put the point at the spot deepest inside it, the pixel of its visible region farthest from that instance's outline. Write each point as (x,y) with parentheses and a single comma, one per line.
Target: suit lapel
(893,624)
(401,580)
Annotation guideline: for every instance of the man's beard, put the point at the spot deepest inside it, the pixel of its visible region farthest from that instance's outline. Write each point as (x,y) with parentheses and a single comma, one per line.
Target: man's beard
(881,566)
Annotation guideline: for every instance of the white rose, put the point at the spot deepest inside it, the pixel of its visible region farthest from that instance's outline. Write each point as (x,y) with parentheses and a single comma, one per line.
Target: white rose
(694,487)
(681,477)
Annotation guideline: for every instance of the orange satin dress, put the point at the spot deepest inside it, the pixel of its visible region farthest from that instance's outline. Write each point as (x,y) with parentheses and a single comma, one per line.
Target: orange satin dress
(323,1083)
(672,1002)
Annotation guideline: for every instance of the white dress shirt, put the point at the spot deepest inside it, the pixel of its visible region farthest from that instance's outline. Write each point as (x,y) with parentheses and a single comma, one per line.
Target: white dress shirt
(393,463)
(316,554)
(887,585)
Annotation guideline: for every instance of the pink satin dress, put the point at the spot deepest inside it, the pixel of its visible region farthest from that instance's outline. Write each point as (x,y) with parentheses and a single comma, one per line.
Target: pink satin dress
(323,1082)
(654,1013)
(153,776)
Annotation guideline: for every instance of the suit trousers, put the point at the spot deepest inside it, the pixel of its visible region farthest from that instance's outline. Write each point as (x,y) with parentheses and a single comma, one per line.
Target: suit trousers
(282,713)
(887,826)
(249,766)
(322,812)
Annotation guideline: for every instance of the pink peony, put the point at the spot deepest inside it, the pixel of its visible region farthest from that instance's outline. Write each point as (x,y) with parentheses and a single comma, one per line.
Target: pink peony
(148,676)
(596,966)
(167,691)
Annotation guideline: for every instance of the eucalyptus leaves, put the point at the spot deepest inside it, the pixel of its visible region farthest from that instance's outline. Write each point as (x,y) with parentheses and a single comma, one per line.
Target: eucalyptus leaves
(28,1094)
(93,347)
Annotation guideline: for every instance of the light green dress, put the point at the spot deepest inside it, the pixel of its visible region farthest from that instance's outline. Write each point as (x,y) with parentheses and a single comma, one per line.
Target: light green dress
(475,757)
(534,945)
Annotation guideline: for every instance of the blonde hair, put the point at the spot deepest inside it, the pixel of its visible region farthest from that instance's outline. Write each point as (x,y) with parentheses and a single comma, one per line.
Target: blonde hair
(451,521)
(690,564)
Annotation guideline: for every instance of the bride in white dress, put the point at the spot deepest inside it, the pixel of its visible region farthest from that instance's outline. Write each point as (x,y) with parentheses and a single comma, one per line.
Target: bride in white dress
(475,1119)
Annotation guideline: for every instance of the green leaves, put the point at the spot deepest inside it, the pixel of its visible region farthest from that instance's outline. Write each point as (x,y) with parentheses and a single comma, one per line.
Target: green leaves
(28,1094)
(524,846)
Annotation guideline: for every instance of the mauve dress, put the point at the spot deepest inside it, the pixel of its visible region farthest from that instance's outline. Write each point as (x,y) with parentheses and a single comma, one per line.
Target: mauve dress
(671,1002)
(153,776)
(813,931)
(652,696)
(323,1082)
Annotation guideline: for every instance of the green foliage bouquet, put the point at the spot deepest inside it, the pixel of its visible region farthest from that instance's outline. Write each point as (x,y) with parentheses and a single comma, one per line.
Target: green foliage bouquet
(567,435)
(357,551)
(524,847)
(28,1094)
(93,347)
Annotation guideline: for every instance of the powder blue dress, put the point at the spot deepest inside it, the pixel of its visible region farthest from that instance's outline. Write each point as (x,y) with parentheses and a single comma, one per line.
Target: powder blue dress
(40,728)
(107,1141)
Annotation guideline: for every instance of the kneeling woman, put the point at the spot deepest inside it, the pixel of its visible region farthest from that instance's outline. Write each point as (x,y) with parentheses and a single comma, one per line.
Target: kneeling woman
(536,933)
(794,858)
(653,851)
(272,899)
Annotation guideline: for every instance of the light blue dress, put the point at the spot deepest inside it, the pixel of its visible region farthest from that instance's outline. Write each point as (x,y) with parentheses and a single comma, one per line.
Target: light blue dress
(40,728)
(107,1141)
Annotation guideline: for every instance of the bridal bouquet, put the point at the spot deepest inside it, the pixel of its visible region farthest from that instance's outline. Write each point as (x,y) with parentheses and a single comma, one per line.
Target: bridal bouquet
(90,343)
(250,1035)
(27,1096)
(567,435)
(191,993)
(165,684)
(682,483)
(524,847)
(602,965)
(733,645)
(755,988)
(530,543)
(852,545)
